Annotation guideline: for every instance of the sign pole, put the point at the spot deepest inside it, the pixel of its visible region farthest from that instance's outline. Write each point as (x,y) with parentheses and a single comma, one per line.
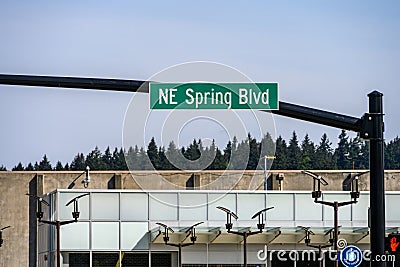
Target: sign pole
(377,181)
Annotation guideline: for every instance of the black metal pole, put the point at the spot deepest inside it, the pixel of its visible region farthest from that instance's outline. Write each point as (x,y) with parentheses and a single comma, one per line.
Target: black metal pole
(72,82)
(319,116)
(320,255)
(377,186)
(245,250)
(58,243)
(180,255)
(336,230)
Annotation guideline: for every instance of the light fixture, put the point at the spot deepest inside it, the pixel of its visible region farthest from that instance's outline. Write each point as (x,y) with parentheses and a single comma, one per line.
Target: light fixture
(247,233)
(317,181)
(307,241)
(229,215)
(260,215)
(39,201)
(57,224)
(335,204)
(190,231)
(85,181)
(75,213)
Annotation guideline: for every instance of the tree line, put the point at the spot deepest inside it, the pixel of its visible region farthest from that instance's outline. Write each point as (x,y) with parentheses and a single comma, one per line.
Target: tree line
(247,154)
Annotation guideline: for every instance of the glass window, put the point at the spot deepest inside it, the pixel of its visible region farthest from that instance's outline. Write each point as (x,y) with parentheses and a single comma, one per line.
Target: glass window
(283,207)
(134,207)
(75,236)
(344,211)
(134,235)
(105,206)
(192,207)
(360,210)
(66,212)
(306,209)
(249,204)
(163,206)
(225,200)
(392,208)
(105,235)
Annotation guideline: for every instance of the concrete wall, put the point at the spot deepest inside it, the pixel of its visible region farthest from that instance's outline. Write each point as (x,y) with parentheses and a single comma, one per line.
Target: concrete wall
(17,210)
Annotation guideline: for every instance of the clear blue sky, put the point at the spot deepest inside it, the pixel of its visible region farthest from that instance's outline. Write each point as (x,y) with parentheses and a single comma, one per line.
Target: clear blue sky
(325,54)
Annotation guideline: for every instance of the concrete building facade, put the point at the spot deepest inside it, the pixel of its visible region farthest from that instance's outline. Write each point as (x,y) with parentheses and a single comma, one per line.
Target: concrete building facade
(22,246)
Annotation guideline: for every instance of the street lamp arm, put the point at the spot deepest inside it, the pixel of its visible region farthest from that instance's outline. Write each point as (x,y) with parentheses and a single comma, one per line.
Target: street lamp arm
(68,222)
(187,244)
(48,222)
(340,204)
(332,204)
(236,232)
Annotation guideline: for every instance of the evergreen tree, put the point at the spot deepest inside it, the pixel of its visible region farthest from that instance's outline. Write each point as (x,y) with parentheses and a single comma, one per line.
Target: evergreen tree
(164,163)
(281,154)
(29,167)
(95,160)
(3,168)
(294,153)
(242,155)
(341,151)
(152,153)
(355,154)
(45,164)
(246,154)
(254,153)
(118,159)
(392,154)
(267,148)
(210,154)
(307,153)
(324,155)
(78,163)
(193,151)
(364,159)
(107,159)
(234,144)
(172,155)
(219,161)
(227,155)
(66,167)
(131,158)
(59,166)
(19,167)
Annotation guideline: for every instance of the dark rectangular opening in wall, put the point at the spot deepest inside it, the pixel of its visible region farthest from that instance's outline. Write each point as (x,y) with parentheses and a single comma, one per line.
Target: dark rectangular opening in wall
(135,259)
(161,260)
(79,260)
(105,259)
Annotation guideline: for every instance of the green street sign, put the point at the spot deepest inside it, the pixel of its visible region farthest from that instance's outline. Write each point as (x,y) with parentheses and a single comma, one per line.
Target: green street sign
(259,96)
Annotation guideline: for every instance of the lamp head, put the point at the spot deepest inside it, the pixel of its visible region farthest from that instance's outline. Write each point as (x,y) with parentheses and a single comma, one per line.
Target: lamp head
(86,181)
